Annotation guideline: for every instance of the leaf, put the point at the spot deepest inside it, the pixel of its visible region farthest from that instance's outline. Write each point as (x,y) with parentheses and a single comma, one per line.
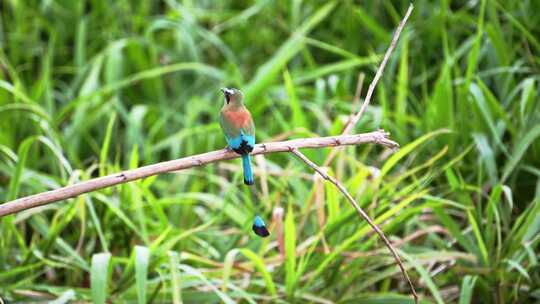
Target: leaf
(396,157)
(259,264)
(515,265)
(332,196)
(96,222)
(80,42)
(290,252)
(67,297)
(15,180)
(92,83)
(175,278)
(519,150)
(403,85)
(105,146)
(523,29)
(371,23)
(22,152)
(527,100)
(227,267)
(142,257)
(440,109)
(454,229)
(467,289)
(319,72)
(486,156)
(195,272)
(479,238)
(99,274)
(16,92)
(114,207)
(425,275)
(298,114)
(531,227)
(34,109)
(473,57)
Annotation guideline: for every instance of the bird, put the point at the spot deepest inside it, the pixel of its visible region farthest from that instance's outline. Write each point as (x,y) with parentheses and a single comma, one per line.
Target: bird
(237,125)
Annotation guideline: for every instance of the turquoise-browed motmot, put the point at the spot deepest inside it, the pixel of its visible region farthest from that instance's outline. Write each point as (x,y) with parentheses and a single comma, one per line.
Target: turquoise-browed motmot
(239,129)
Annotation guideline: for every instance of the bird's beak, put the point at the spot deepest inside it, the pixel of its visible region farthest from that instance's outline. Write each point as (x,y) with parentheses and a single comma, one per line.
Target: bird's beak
(223,90)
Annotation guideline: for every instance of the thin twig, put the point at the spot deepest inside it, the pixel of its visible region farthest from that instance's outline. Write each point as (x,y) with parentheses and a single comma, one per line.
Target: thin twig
(361,212)
(377,137)
(379,73)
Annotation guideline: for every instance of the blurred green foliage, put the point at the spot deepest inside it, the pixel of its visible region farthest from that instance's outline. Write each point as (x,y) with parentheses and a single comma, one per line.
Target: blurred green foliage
(91,87)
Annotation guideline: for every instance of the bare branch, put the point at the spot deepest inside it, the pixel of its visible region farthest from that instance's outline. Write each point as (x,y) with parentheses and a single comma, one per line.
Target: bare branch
(361,212)
(377,137)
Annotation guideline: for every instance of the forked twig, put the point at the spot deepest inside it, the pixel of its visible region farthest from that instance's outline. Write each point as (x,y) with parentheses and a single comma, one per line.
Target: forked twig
(350,124)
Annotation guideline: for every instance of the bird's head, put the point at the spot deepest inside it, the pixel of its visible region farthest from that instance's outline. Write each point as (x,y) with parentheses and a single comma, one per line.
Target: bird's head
(232,96)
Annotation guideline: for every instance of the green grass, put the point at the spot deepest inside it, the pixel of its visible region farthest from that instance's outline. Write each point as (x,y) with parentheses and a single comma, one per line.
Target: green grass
(88,88)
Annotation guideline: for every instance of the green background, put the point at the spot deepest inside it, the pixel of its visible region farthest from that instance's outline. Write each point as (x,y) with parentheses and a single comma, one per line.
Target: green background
(88,88)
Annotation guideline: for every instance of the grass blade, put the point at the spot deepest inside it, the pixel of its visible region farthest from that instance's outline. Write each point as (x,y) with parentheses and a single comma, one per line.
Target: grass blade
(99,276)
(519,150)
(298,118)
(142,257)
(404,151)
(175,278)
(259,264)
(15,181)
(105,146)
(467,288)
(290,252)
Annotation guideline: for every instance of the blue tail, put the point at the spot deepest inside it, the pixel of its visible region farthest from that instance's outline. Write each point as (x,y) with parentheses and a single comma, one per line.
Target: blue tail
(248,173)
(259,227)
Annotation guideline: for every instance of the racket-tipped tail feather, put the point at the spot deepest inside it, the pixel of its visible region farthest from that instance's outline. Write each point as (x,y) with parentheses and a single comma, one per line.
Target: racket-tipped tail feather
(259,227)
